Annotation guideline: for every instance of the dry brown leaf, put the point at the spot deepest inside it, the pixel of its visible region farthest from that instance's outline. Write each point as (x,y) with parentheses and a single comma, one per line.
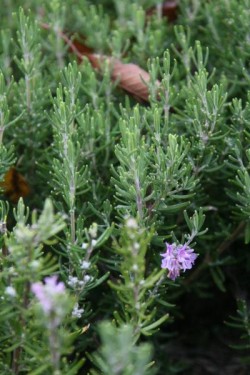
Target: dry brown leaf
(168,9)
(15,185)
(130,77)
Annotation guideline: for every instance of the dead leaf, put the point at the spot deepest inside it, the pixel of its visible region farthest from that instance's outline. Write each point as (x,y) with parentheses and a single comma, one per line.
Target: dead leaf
(130,77)
(168,9)
(15,185)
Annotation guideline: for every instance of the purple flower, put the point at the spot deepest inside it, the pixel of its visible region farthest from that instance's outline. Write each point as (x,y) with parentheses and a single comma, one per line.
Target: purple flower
(177,258)
(48,293)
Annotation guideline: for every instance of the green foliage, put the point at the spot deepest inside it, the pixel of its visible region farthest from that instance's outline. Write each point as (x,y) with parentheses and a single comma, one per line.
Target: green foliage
(242,323)
(128,359)
(124,176)
(135,289)
(24,263)
(154,174)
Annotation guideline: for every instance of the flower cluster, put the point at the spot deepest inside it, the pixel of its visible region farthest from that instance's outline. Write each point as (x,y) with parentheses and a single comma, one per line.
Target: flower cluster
(177,258)
(47,292)
(51,296)
(77,313)
(75,283)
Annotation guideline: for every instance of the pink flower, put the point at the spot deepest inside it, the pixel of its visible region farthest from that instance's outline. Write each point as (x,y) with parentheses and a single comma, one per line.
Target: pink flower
(48,293)
(177,258)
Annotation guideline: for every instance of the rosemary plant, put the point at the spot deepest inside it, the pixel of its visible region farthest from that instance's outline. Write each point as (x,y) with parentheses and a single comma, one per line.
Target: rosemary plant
(125,185)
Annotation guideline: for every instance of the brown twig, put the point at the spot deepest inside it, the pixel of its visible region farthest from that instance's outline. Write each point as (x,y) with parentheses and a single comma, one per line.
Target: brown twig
(130,77)
(222,247)
(65,38)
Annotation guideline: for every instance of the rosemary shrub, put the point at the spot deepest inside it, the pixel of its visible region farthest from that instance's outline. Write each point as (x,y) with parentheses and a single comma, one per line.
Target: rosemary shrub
(124,220)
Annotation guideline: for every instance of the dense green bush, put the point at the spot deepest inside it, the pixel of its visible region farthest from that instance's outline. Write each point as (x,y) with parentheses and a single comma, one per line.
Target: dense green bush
(127,252)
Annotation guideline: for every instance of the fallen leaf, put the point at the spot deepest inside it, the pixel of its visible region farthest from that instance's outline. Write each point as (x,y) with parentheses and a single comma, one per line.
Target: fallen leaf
(130,77)
(15,185)
(168,9)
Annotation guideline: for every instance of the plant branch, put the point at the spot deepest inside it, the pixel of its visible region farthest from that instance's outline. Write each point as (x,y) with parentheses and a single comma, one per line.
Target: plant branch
(65,38)
(222,247)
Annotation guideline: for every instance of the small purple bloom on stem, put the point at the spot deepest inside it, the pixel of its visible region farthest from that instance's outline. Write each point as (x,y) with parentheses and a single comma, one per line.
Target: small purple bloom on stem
(47,294)
(177,258)
(53,300)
